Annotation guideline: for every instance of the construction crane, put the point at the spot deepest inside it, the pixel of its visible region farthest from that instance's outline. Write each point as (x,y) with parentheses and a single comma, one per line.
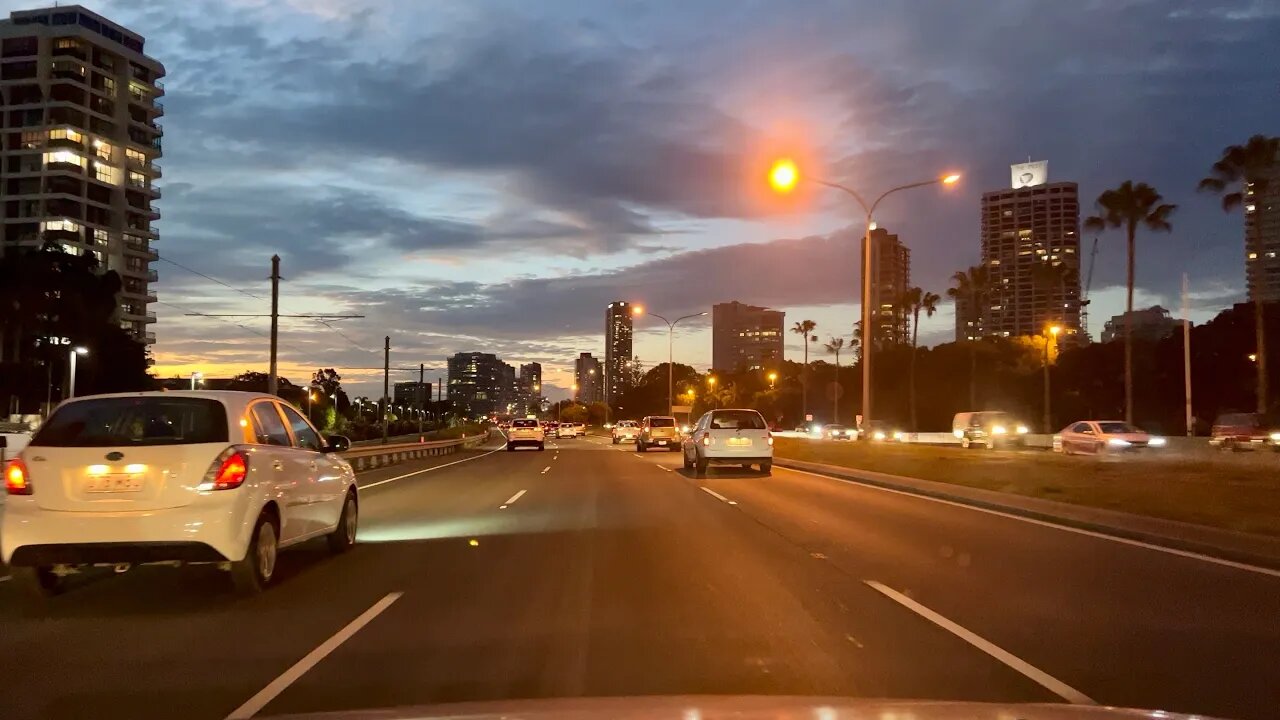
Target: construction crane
(1084,295)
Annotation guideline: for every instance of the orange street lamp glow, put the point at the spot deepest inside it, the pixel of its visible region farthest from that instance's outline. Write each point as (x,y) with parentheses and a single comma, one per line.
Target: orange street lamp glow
(637,310)
(951,179)
(1054,330)
(784,175)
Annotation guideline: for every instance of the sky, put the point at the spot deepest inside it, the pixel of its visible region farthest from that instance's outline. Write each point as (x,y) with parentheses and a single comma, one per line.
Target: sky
(487,175)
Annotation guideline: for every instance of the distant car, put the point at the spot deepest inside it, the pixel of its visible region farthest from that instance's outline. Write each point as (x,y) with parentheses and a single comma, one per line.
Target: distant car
(581,427)
(658,431)
(1097,437)
(526,433)
(729,437)
(880,431)
(626,431)
(567,430)
(1245,431)
(229,478)
(551,429)
(838,432)
(989,429)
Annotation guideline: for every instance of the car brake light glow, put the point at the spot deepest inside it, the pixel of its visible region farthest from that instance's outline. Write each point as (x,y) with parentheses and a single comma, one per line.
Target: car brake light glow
(16,480)
(227,472)
(706,440)
(770,438)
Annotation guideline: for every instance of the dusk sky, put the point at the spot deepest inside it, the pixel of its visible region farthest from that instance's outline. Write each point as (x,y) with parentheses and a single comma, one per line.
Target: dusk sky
(480,175)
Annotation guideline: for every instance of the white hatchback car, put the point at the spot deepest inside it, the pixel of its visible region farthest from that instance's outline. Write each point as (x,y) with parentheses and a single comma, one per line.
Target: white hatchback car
(729,437)
(220,477)
(626,431)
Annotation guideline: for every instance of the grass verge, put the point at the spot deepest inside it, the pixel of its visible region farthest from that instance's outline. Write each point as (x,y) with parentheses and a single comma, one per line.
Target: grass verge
(1238,497)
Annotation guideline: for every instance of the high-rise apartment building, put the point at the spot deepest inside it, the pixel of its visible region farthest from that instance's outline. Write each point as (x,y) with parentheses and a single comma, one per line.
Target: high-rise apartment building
(618,334)
(1031,252)
(530,384)
(745,337)
(891,261)
(79,101)
(1262,239)
(411,394)
(480,383)
(588,374)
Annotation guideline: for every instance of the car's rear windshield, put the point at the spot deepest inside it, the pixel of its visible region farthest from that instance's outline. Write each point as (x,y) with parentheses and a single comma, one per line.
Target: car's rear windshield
(524,423)
(662,422)
(737,420)
(134,421)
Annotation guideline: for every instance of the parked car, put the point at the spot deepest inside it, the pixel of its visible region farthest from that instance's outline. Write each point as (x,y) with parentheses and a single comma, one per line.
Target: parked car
(1097,437)
(989,429)
(526,433)
(658,431)
(729,437)
(626,431)
(1245,431)
(193,477)
(838,432)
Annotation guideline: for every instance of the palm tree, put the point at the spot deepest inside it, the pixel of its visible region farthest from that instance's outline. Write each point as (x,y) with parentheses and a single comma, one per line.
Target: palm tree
(805,329)
(835,346)
(1129,206)
(972,286)
(1247,168)
(915,300)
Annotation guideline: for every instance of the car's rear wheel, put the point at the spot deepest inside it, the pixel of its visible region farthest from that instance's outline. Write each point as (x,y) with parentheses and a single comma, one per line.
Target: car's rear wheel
(766,467)
(640,446)
(688,464)
(542,446)
(37,584)
(343,537)
(254,572)
(701,466)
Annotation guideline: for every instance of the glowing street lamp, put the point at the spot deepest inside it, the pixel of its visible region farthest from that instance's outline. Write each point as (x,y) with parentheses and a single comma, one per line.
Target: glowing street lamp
(784,175)
(76,352)
(773,379)
(638,310)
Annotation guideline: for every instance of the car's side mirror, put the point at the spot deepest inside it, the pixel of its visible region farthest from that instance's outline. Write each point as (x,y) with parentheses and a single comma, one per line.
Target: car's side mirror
(338,443)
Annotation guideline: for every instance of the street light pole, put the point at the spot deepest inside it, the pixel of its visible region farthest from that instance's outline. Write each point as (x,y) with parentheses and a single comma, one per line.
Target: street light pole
(671,329)
(1051,336)
(784,175)
(71,382)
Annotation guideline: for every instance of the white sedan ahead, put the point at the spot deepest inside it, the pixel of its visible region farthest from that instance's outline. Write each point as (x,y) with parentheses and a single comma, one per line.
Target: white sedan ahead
(202,477)
(1097,437)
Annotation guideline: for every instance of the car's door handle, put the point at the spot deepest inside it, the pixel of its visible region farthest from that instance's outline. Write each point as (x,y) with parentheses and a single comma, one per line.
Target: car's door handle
(277,464)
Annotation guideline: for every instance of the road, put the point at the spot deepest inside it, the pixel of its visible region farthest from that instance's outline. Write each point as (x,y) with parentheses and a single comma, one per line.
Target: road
(591,570)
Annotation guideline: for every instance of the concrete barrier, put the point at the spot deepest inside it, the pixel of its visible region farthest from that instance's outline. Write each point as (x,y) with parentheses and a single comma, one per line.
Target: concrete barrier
(367,458)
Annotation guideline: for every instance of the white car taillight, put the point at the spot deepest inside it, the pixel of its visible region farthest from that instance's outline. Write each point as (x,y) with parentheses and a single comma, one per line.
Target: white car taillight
(227,472)
(770,439)
(16,479)
(706,440)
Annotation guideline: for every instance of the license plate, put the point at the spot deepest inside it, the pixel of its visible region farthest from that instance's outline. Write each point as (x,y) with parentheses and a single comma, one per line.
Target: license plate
(739,442)
(662,442)
(114,483)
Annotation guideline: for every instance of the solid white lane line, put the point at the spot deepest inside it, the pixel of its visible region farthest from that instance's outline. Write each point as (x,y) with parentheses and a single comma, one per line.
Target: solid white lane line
(514,498)
(715,494)
(1067,528)
(427,470)
(290,676)
(1045,680)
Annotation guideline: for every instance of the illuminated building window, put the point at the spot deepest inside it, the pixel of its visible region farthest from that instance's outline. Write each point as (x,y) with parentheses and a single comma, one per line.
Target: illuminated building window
(135,155)
(62,224)
(63,156)
(65,134)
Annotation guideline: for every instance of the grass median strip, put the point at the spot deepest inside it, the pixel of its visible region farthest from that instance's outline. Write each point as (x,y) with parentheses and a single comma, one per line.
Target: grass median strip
(1233,496)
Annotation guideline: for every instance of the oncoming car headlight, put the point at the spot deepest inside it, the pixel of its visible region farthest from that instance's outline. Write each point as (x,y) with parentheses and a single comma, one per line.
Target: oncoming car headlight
(877,435)
(1022,429)
(1156,442)
(998,430)
(1275,437)
(1117,442)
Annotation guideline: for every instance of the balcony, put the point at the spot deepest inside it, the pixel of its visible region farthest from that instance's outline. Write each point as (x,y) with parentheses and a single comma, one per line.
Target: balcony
(153,276)
(149,338)
(75,52)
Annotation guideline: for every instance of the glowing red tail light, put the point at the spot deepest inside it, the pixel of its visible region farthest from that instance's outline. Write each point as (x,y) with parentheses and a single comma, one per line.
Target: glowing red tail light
(16,479)
(230,471)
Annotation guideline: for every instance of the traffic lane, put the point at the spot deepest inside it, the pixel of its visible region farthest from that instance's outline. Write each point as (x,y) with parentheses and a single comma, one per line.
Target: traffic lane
(138,645)
(619,578)
(1127,625)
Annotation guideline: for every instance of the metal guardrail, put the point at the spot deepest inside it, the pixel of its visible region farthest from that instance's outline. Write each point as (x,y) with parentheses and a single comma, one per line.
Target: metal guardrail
(376,456)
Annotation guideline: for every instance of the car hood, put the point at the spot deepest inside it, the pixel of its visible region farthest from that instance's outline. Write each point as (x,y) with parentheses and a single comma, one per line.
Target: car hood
(738,708)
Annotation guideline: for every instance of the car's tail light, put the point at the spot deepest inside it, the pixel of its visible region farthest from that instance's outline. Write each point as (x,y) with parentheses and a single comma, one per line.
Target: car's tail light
(227,472)
(706,440)
(17,481)
(771,438)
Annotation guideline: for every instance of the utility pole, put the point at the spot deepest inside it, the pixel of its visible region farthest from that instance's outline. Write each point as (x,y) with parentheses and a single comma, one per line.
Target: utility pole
(386,385)
(1186,356)
(273,369)
(440,399)
(422,372)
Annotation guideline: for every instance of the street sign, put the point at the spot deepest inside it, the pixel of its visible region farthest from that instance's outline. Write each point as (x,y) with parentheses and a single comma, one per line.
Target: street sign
(681,408)
(808,418)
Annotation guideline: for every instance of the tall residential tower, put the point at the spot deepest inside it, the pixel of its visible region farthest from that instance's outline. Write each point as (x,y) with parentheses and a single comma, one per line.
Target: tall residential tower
(79,101)
(745,337)
(891,261)
(617,350)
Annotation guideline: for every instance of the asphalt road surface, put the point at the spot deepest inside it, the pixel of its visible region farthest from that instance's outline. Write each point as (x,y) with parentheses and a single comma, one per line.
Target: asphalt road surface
(591,570)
